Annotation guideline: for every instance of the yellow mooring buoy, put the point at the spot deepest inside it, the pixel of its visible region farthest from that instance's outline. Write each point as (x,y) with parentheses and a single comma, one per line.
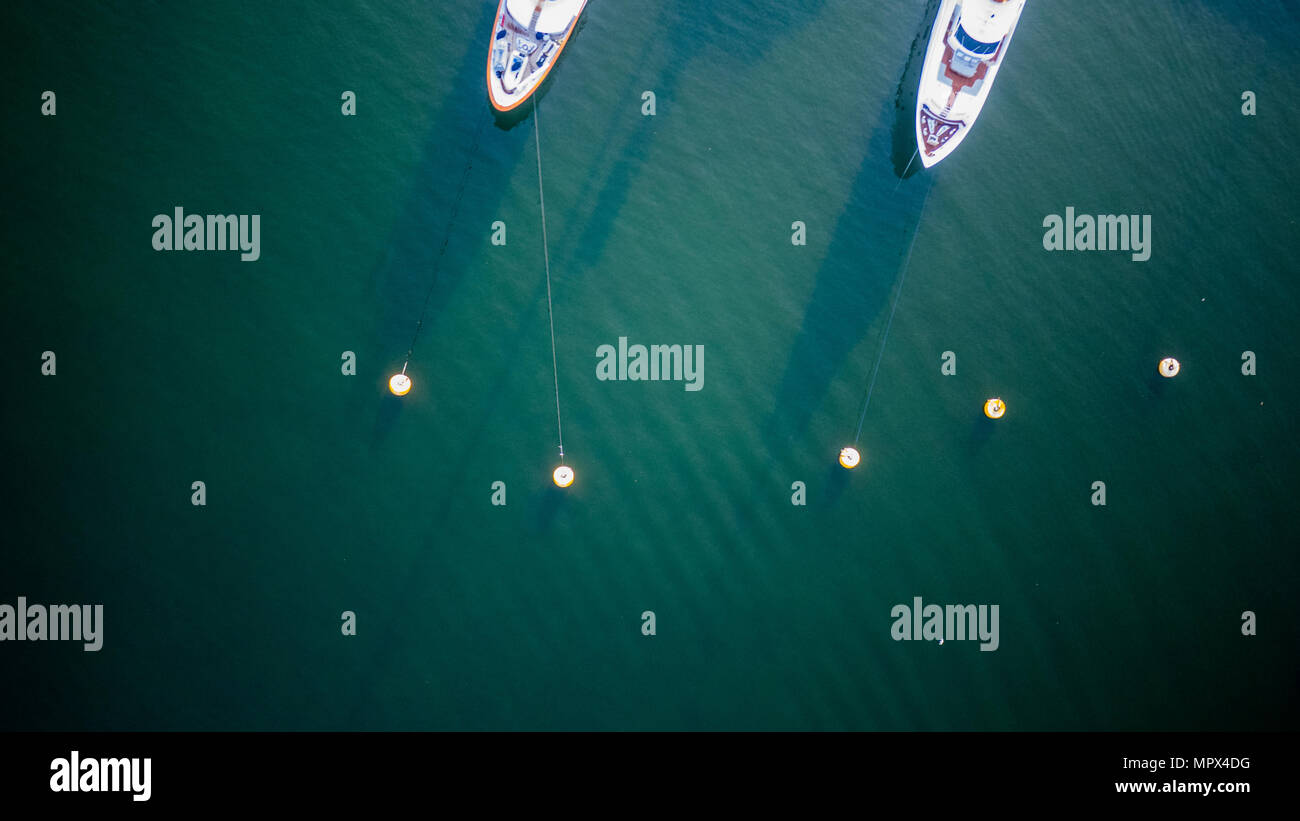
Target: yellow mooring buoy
(850,458)
(1169,367)
(995,408)
(563,476)
(400,384)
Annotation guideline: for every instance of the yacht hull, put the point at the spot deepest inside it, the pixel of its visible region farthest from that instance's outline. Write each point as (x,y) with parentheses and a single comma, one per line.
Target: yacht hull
(955,82)
(522,51)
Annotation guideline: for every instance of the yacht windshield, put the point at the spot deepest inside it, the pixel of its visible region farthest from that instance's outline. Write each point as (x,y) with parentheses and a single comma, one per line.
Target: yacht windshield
(972,45)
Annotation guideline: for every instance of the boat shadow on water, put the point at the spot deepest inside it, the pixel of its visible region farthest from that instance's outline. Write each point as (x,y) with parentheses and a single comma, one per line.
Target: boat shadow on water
(403,276)
(861,268)
(410,267)
(903,149)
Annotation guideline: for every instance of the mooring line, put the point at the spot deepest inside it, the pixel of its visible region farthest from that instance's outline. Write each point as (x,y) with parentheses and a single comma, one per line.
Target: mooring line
(907,262)
(437,262)
(902,177)
(546,255)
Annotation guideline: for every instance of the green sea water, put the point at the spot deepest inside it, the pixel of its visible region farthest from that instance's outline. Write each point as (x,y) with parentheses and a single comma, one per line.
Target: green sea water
(325,494)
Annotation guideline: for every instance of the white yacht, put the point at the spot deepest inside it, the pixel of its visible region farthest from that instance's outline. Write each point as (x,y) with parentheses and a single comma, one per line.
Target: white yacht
(526,41)
(968,45)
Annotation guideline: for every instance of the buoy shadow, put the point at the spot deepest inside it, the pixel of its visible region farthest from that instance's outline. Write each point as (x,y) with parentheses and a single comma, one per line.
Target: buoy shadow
(390,409)
(981,431)
(836,482)
(1157,385)
(550,502)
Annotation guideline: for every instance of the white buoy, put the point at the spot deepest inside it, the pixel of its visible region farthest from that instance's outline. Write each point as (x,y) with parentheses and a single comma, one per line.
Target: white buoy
(400,384)
(995,408)
(850,458)
(1169,367)
(563,476)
